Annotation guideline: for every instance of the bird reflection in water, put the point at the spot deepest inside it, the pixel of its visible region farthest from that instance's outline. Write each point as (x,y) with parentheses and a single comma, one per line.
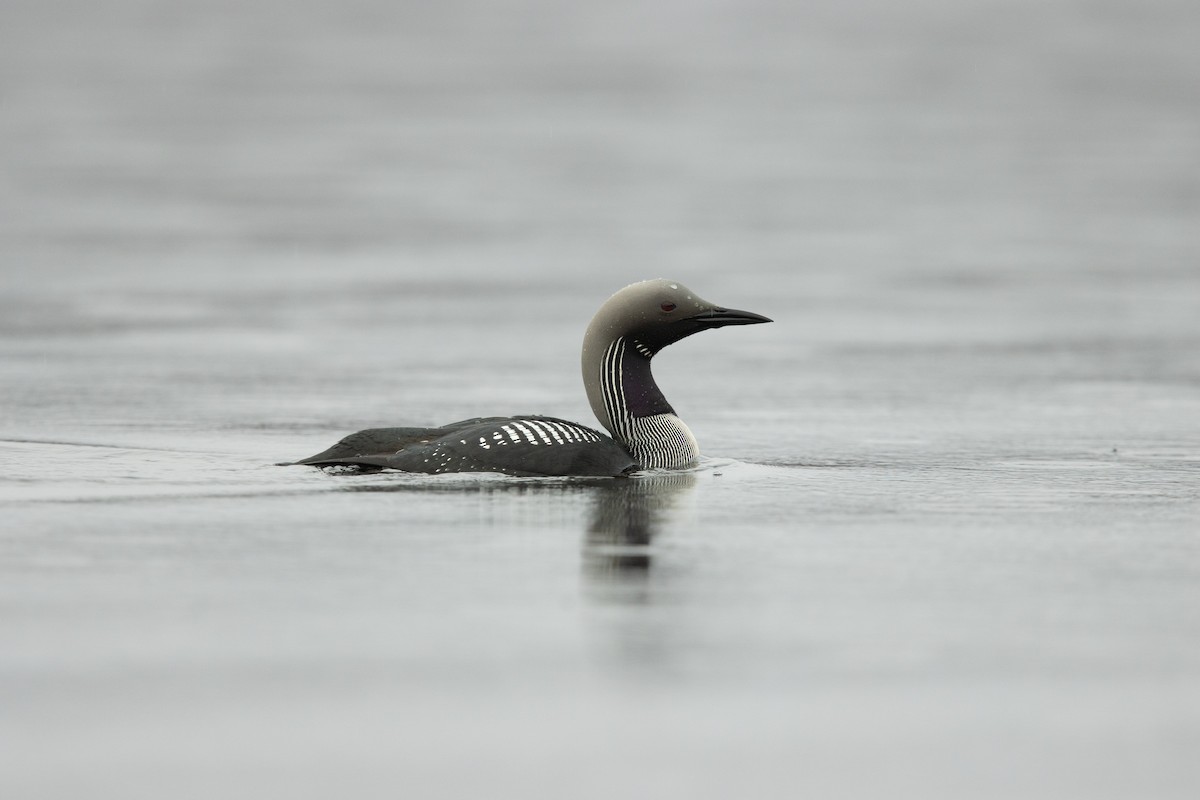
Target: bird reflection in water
(626,516)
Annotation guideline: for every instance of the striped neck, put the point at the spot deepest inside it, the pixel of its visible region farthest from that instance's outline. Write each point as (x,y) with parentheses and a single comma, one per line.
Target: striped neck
(638,415)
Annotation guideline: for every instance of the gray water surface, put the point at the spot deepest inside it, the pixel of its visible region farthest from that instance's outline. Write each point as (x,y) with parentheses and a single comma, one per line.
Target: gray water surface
(944,540)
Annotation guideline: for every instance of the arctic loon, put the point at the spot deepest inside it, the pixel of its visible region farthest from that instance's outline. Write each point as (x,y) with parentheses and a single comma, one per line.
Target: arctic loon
(626,333)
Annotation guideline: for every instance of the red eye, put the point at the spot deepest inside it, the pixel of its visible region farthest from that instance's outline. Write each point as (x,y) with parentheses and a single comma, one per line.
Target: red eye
(668,307)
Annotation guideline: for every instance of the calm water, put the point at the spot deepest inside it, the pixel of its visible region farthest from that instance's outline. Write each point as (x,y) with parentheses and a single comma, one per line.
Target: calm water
(944,543)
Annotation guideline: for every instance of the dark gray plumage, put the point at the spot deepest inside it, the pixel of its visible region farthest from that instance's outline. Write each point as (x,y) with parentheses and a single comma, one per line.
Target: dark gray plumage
(626,333)
(522,446)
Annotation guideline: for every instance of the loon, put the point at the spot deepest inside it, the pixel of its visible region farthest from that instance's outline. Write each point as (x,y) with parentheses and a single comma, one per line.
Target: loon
(627,332)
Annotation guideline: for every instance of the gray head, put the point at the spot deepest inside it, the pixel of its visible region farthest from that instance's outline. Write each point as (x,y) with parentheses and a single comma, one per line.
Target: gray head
(645,317)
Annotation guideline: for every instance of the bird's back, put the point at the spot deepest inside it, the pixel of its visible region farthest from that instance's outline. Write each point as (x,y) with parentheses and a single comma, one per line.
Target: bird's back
(522,446)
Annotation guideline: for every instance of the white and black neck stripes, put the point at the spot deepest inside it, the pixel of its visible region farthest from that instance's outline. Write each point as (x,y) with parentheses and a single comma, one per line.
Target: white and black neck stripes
(640,416)
(660,441)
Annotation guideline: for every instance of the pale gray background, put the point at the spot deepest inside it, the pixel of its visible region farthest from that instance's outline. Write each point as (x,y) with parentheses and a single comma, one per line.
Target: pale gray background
(946,545)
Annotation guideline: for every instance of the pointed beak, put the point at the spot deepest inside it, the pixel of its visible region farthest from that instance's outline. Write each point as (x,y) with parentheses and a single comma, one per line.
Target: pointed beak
(720,317)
